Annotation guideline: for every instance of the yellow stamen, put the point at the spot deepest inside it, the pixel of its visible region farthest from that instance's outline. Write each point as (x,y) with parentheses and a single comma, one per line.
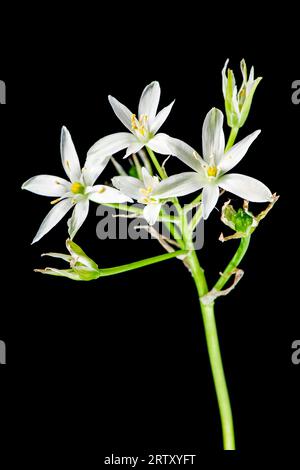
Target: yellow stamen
(146,191)
(101,190)
(212,171)
(55,201)
(139,125)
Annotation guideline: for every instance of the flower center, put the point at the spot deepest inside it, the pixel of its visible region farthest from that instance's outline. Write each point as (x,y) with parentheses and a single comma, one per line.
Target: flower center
(146,192)
(77,188)
(212,171)
(139,125)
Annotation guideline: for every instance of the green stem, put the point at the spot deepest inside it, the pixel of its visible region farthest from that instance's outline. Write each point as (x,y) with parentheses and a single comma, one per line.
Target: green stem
(214,353)
(124,207)
(232,137)
(196,219)
(194,203)
(140,264)
(137,166)
(233,264)
(155,162)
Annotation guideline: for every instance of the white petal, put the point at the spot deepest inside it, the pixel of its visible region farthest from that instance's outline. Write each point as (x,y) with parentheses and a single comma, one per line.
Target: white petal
(231,158)
(186,154)
(224,78)
(128,185)
(245,187)
(149,101)
(151,213)
(60,272)
(106,194)
(160,118)
(179,185)
(133,148)
(53,217)
(79,215)
(159,144)
(210,197)
(67,258)
(147,178)
(69,156)
(111,144)
(213,140)
(121,111)
(47,185)
(93,168)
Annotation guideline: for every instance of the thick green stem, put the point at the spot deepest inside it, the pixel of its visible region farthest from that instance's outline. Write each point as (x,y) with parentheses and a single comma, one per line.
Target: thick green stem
(155,162)
(232,137)
(139,264)
(214,353)
(233,263)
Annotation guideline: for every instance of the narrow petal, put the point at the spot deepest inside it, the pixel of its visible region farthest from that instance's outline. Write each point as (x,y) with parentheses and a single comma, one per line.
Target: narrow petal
(210,198)
(149,101)
(160,144)
(93,168)
(213,140)
(111,144)
(186,154)
(79,215)
(160,118)
(69,156)
(67,258)
(245,187)
(53,217)
(60,272)
(47,185)
(231,158)
(121,111)
(147,178)
(106,194)
(133,148)
(128,185)
(151,213)
(179,185)
(224,78)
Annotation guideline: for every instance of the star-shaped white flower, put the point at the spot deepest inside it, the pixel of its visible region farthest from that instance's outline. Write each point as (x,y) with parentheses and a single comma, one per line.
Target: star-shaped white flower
(146,191)
(75,193)
(210,171)
(143,127)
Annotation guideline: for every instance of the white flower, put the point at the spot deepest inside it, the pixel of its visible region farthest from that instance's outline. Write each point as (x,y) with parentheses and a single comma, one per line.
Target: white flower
(238,103)
(75,193)
(211,170)
(146,191)
(142,129)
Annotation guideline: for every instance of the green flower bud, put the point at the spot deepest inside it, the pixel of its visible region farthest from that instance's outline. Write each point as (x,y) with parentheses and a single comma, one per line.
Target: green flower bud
(238,103)
(82,268)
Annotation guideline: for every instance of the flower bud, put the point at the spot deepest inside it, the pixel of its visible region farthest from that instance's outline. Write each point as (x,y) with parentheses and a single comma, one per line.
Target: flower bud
(82,268)
(238,103)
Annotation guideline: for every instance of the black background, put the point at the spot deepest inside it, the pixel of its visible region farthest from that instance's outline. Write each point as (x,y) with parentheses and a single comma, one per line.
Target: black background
(120,365)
